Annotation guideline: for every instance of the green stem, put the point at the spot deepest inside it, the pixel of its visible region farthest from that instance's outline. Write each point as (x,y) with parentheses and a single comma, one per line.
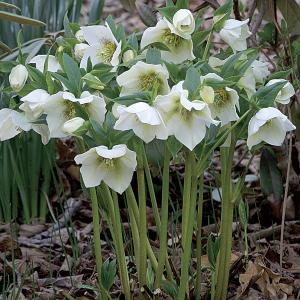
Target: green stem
(120,248)
(199,237)
(135,235)
(223,261)
(133,205)
(191,194)
(142,216)
(97,241)
(151,190)
(164,217)
(186,196)
(207,46)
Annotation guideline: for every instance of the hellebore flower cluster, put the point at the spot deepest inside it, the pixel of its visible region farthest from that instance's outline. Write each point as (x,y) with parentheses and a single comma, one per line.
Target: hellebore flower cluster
(111,85)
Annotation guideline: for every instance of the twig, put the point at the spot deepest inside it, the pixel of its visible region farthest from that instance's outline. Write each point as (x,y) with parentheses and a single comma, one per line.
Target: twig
(236,10)
(287,182)
(252,8)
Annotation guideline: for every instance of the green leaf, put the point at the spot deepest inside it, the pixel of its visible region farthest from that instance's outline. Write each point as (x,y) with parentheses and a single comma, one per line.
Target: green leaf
(9,6)
(73,72)
(192,80)
(222,14)
(267,34)
(174,145)
(63,80)
(200,37)
(170,287)
(146,13)
(6,66)
(213,248)
(266,95)
(96,10)
(280,74)
(67,28)
(20,19)
(4,47)
(158,45)
(37,77)
(182,4)
(93,82)
(168,12)
(108,274)
(244,212)
(153,56)
(290,10)
(270,176)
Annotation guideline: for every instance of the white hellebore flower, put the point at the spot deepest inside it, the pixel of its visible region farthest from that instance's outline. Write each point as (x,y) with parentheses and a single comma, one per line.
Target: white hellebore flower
(143,119)
(18,77)
(184,23)
(113,166)
(104,48)
(181,49)
(79,36)
(39,61)
(246,82)
(186,120)
(235,34)
(60,109)
(222,102)
(260,70)
(285,93)
(33,107)
(72,125)
(79,50)
(33,103)
(268,125)
(12,123)
(144,77)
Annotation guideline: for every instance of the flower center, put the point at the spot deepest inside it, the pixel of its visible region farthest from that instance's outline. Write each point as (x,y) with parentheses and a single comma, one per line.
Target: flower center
(149,81)
(171,39)
(106,53)
(108,162)
(221,97)
(69,111)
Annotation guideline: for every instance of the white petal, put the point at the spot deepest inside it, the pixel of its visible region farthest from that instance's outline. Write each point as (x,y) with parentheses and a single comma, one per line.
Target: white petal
(96,34)
(115,152)
(39,61)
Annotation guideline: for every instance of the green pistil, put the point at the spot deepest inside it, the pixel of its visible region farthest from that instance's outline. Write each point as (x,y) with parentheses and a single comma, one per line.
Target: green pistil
(108,162)
(221,97)
(171,39)
(106,53)
(69,111)
(149,81)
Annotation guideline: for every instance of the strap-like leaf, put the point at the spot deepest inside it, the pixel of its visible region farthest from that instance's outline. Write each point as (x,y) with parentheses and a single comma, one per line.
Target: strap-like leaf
(4,15)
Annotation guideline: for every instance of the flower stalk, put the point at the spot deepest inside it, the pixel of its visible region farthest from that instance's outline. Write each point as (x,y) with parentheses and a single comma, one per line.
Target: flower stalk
(199,237)
(190,198)
(97,241)
(142,215)
(223,260)
(120,247)
(164,218)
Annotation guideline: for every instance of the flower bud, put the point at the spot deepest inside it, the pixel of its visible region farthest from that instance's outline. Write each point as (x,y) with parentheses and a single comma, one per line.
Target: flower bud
(128,55)
(184,23)
(18,77)
(79,36)
(79,50)
(72,125)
